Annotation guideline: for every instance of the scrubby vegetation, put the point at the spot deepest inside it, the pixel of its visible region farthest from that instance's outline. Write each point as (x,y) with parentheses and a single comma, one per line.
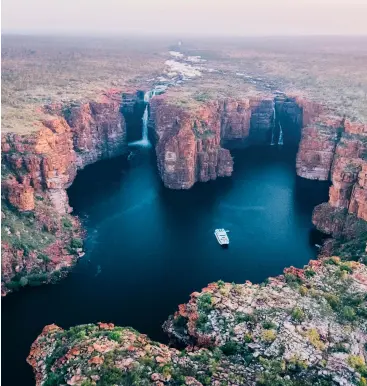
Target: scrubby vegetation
(29,235)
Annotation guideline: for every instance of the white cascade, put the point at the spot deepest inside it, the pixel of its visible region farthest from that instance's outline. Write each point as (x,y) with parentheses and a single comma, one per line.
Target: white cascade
(280,141)
(144,142)
(273,129)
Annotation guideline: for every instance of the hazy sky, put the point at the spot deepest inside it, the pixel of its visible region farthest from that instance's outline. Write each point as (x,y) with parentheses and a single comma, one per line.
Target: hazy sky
(219,17)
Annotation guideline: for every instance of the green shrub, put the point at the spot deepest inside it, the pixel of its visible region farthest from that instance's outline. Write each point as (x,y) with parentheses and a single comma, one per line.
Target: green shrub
(22,246)
(298,315)
(269,325)
(201,322)
(88,383)
(221,283)
(303,290)
(247,338)
(346,268)
(115,335)
(76,243)
(293,280)
(44,257)
(309,273)
(358,363)
(339,347)
(67,223)
(332,261)
(241,317)
(111,376)
(230,348)
(296,365)
(314,338)
(348,313)
(333,300)
(268,336)
(54,379)
(205,302)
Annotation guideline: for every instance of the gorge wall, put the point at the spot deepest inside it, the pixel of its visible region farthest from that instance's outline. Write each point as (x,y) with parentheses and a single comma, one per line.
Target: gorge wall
(190,140)
(336,150)
(40,237)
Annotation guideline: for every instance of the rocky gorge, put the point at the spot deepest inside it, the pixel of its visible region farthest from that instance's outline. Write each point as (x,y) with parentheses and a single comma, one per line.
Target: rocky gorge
(287,330)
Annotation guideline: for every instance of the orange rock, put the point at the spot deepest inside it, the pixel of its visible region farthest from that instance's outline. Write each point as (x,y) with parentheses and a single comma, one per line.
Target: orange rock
(20,195)
(96,360)
(160,359)
(106,326)
(182,310)
(72,353)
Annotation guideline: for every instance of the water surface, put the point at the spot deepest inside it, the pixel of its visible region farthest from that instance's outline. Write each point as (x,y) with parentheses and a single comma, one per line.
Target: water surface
(149,247)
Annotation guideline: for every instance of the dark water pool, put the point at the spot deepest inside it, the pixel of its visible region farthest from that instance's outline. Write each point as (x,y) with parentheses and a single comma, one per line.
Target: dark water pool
(148,247)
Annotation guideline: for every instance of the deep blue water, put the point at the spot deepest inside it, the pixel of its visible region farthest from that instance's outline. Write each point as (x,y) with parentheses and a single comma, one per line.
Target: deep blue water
(149,247)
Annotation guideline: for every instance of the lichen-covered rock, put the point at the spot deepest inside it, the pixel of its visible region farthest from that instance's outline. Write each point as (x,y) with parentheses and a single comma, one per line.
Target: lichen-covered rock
(306,327)
(313,319)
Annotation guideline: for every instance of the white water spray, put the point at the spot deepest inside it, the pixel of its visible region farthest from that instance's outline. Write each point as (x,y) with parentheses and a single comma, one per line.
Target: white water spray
(273,129)
(144,142)
(280,141)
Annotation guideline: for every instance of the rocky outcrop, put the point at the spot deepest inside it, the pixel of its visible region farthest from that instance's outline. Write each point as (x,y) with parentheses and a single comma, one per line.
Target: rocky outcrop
(188,145)
(348,193)
(316,151)
(21,195)
(188,139)
(98,131)
(306,326)
(37,169)
(335,149)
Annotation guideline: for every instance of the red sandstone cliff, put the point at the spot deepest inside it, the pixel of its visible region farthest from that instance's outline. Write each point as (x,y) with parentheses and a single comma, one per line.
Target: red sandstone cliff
(336,149)
(189,140)
(37,169)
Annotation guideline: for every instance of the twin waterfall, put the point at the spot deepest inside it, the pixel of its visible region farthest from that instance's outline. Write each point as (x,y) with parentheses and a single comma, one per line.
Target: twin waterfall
(273,132)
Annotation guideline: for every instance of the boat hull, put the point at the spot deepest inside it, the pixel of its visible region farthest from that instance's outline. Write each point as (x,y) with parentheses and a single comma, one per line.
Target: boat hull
(221,236)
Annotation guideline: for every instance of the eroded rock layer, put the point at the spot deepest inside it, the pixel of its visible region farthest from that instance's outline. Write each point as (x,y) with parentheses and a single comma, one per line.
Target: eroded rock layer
(306,327)
(39,237)
(188,140)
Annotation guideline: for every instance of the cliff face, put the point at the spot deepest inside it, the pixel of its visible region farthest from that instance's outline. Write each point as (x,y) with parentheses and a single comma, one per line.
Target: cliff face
(188,145)
(188,141)
(337,152)
(98,131)
(304,327)
(335,149)
(37,169)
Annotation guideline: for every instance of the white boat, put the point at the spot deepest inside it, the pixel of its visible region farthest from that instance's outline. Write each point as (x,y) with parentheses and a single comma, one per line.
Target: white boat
(221,235)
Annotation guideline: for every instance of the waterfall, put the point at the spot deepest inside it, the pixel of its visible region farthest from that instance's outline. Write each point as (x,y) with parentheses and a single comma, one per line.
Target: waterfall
(144,142)
(273,129)
(280,141)
(273,132)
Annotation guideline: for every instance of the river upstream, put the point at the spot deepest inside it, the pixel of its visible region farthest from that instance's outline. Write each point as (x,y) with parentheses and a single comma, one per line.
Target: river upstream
(148,247)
